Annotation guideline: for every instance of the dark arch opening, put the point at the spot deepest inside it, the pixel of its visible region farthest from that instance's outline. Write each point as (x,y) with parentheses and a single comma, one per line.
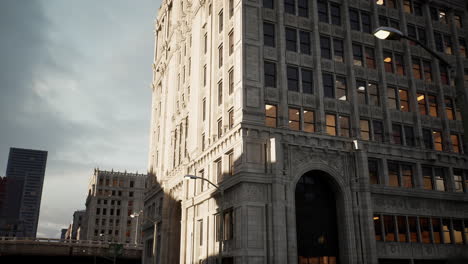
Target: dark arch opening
(316,225)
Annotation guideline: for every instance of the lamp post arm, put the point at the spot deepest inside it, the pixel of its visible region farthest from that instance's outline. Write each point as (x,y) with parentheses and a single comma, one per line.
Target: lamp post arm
(432,52)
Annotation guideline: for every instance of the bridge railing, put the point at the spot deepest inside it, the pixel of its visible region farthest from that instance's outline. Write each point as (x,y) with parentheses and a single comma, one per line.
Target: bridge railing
(64,241)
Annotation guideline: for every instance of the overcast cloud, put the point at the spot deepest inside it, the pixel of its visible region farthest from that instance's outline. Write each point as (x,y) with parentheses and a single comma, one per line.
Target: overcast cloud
(75,80)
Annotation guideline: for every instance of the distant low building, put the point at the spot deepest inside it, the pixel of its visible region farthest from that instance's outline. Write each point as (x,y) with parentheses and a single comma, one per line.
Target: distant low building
(112,197)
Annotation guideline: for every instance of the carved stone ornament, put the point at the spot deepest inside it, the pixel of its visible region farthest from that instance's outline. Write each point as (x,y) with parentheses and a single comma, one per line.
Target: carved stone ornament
(302,156)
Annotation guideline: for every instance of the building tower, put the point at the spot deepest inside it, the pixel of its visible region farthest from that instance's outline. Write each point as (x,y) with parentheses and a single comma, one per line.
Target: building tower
(112,197)
(327,144)
(24,181)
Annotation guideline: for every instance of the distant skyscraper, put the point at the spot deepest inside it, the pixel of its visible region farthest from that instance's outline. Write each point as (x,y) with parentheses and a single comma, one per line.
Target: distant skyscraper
(25,178)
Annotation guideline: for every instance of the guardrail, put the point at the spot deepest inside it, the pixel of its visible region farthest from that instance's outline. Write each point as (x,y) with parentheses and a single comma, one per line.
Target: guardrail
(65,241)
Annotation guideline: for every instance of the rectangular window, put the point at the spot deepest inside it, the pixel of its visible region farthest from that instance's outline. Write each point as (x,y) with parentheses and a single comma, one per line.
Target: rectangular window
(407,6)
(231,118)
(458,180)
(388,62)
(422,104)
(306,81)
(294,119)
(325,47)
(436,231)
(433,108)
(448,44)
(344,126)
(200,232)
(391,98)
(303,8)
(413,229)
(393,174)
(338,50)
(449,109)
(409,136)
(402,230)
(389,225)
(444,78)
(455,143)
(357,55)
(331,124)
(417,69)
(269,4)
(396,133)
(219,170)
(365,129)
(322,9)
(404,100)
(425,230)
(373,167)
(293,78)
(205,41)
(354,19)
(270,74)
(231,81)
(373,94)
(231,8)
(378,227)
(203,141)
(220,127)
(427,67)
(377,127)
(290,6)
(231,42)
(335,14)
(361,91)
(407,176)
(220,21)
(446,231)
(270,115)
(458,21)
(231,163)
(439,44)
(309,121)
(340,87)
(328,87)
(439,179)
(462,46)
(366,23)
(204,75)
(458,231)
(220,56)
(370,57)
(268,34)
(304,38)
(204,109)
(399,64)
(291,39)
(437,138)
(220,93)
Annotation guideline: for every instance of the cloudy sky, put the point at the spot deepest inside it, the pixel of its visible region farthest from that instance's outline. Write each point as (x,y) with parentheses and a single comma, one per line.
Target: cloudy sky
(75,80)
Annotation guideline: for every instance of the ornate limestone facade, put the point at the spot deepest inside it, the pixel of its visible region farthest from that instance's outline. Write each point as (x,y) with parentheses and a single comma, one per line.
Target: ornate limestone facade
(328,145)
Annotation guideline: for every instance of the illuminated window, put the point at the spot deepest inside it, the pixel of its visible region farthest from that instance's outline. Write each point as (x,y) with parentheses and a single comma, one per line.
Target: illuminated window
(462,46)
(331,124)
(270,115)
(344,126)
(400,174)
(446,231)
(439,179)
(458,231)
(458,21)
(436,230)
(433,107)
(455,143)
(402,230)
(427,178)
(399,64)
(404,100)
(309,121)
(458,180)
(425,230)
(391,98)
(365,129)
(422,104)
(437,139)
(388,62)
(294,119)
(413,229)
(370,57)
(389,228)
(387,3)
(417,69)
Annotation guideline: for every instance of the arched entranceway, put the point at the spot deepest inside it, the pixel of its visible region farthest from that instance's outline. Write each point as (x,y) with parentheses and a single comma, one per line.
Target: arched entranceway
(316,221)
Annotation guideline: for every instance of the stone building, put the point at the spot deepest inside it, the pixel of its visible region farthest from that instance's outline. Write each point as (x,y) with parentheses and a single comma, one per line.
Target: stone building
(77,223)
(327,144)
(112,197)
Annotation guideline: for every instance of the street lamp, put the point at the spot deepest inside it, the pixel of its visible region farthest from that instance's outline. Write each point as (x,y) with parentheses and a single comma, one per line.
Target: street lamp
(221,218)
(389,33)
(136,229)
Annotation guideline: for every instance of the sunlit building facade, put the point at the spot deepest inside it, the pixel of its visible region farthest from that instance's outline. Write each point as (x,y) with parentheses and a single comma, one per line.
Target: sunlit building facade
(327,144)
(113,197)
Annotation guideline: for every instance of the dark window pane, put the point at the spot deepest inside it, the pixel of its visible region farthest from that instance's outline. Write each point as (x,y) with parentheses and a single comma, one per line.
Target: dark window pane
(325,49)
(305,42)
(270,74)
(322,11)
(289,6)
(291,39)
(269,4)
(303,8)
(269,34)
(328,87)
(354,19)
(306,81)
(335,14)
(293,78)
